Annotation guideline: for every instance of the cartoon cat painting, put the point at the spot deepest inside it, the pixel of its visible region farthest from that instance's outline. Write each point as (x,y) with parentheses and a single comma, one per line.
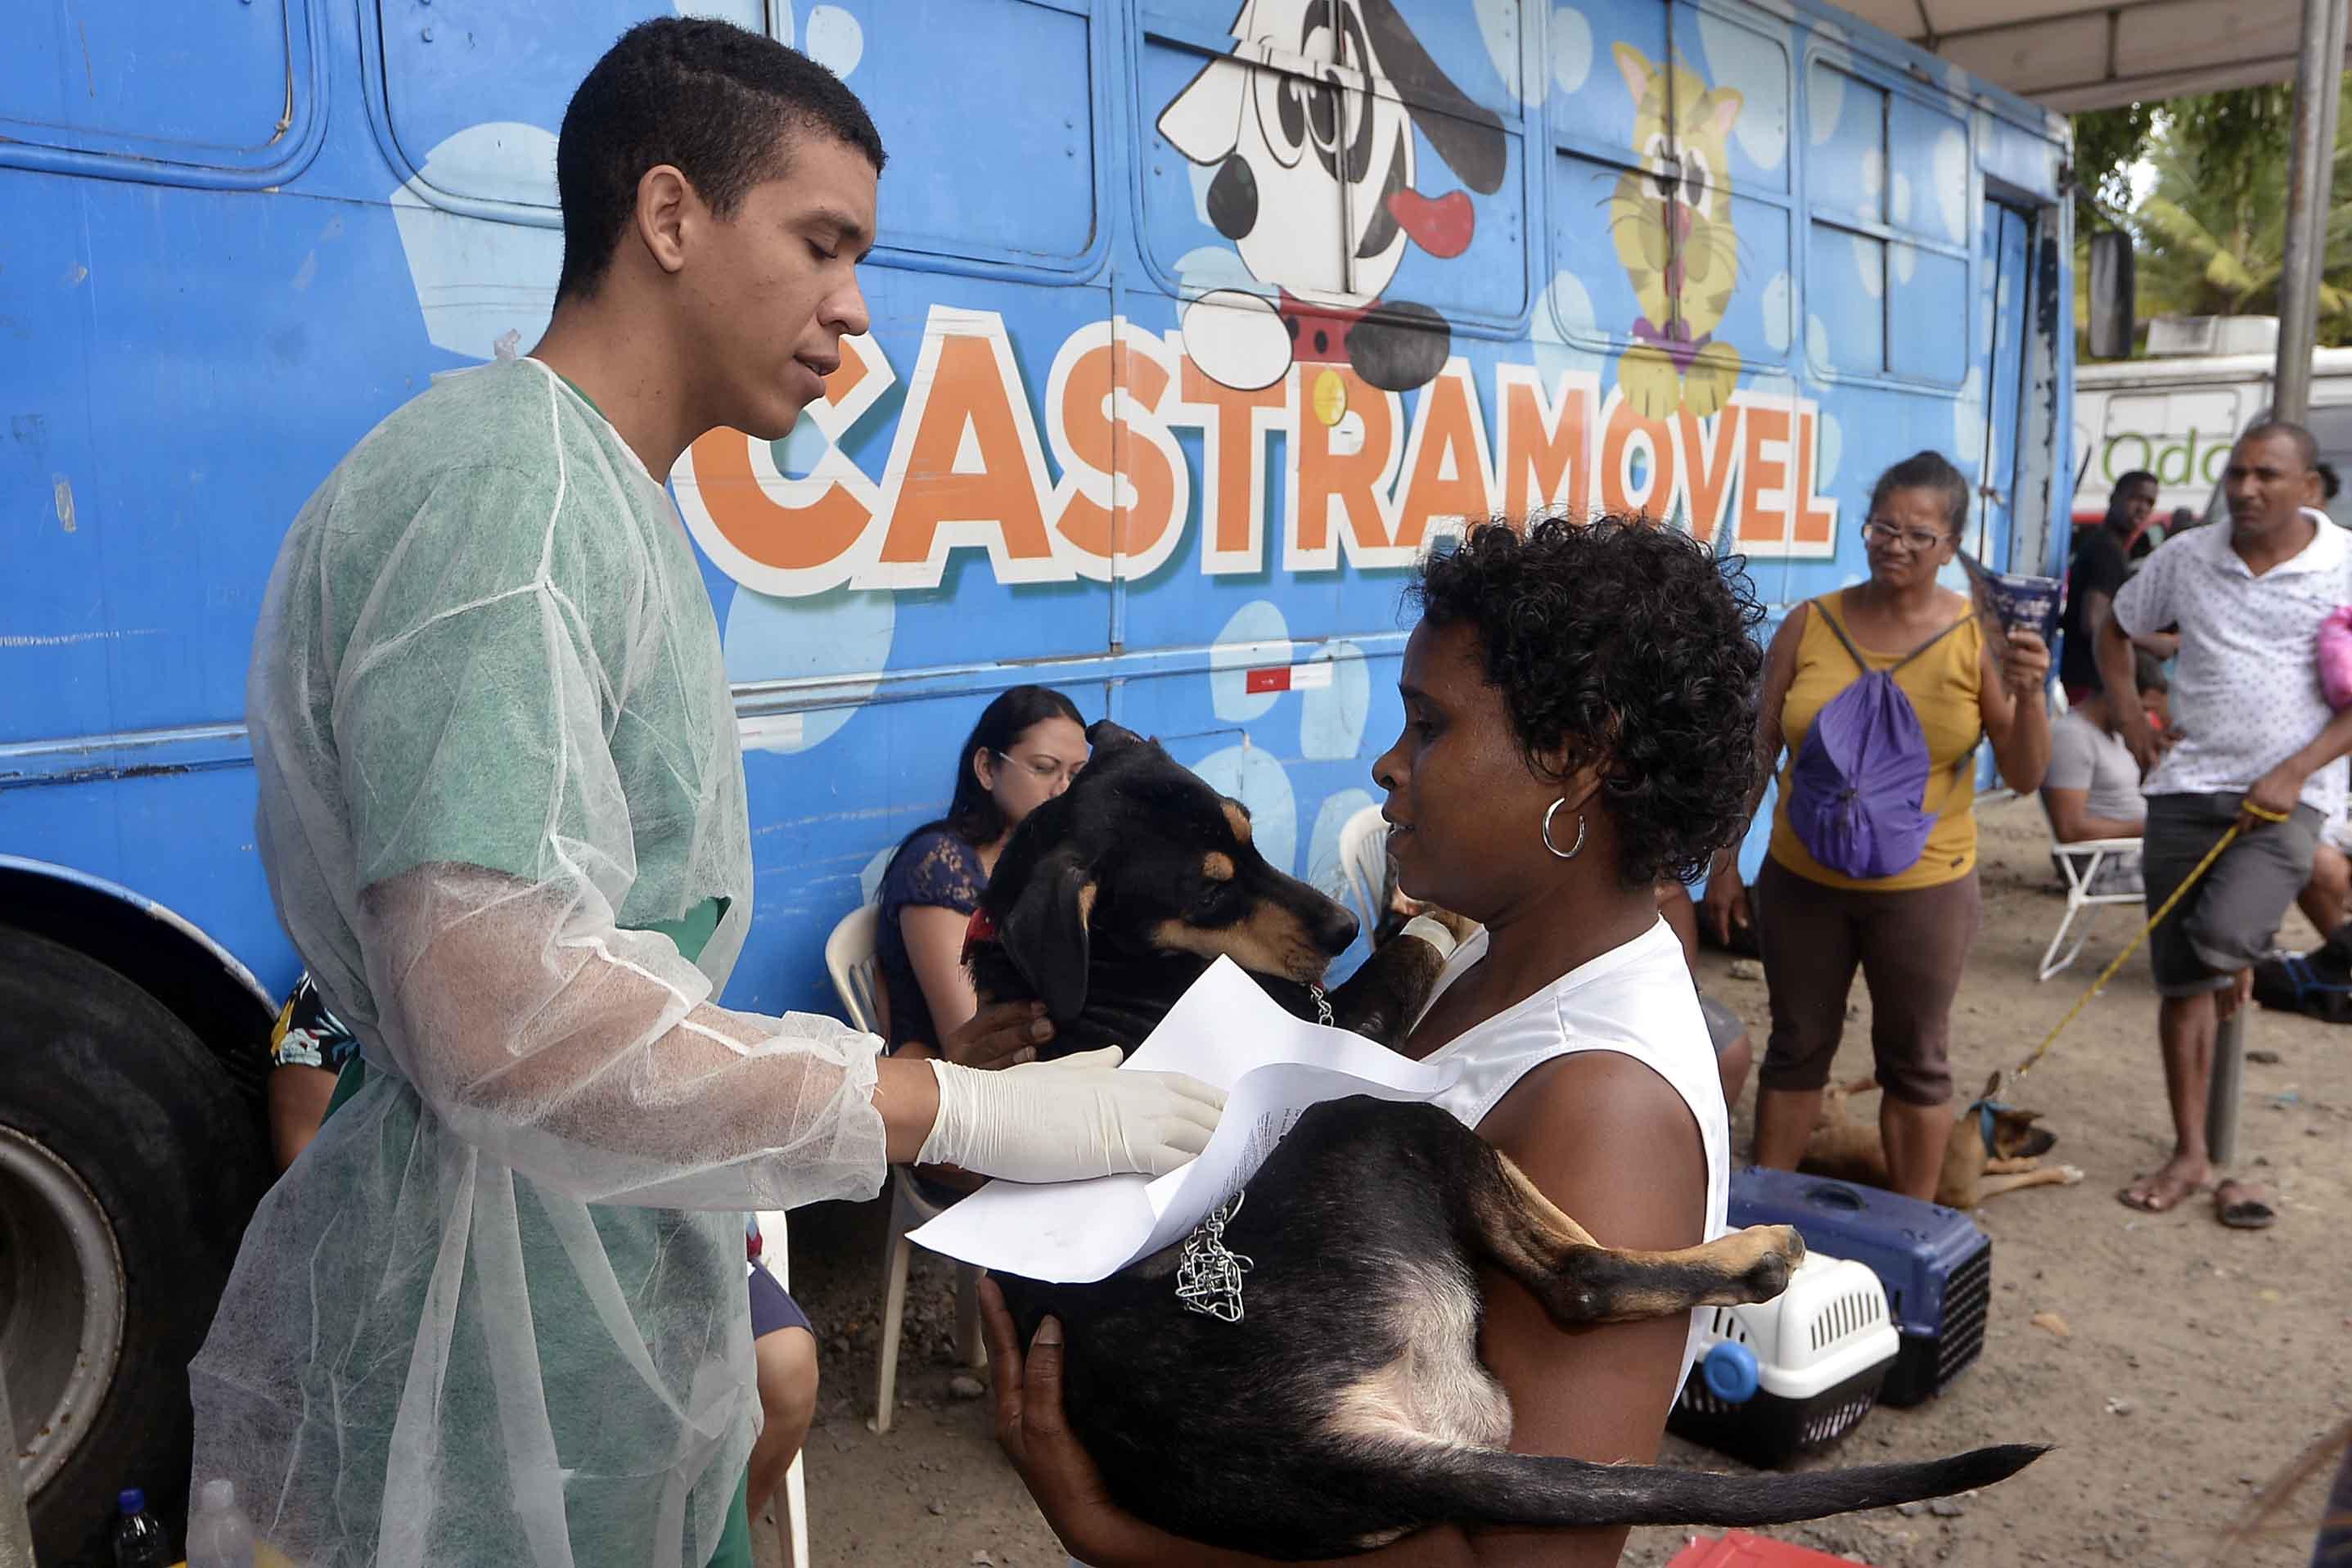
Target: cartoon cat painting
(1671,221)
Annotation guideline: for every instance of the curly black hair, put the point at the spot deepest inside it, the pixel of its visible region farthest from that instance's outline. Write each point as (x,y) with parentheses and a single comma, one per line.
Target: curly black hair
(1623,643)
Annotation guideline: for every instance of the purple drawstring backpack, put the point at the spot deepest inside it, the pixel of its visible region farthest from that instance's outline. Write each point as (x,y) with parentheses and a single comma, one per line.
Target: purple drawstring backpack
(1861,777)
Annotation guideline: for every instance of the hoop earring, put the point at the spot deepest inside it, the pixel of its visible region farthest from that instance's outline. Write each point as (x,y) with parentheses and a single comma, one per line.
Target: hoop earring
(1573,851)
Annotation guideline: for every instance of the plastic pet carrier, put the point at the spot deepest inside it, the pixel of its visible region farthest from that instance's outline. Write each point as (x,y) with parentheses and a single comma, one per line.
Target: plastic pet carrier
(1791,1374)
(1936,1264)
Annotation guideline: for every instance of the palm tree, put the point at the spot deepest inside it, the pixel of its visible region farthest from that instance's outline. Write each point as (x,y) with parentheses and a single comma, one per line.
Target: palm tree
(2211,234)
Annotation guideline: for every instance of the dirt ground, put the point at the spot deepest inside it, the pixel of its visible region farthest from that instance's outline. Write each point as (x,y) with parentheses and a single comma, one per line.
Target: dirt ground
(2196,1362)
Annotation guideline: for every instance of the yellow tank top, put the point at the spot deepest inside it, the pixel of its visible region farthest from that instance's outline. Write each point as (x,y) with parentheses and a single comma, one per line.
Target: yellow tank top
(1943,686)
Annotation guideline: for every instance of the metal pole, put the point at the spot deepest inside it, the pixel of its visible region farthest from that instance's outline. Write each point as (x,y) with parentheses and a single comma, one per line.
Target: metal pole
(15,1526)
(2310,167)
(2227,1088)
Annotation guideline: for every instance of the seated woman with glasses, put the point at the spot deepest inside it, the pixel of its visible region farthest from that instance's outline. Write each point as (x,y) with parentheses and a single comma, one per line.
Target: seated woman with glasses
(1027,747)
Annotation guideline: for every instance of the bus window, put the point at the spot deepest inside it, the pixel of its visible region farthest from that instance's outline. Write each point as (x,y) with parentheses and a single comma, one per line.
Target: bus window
(474,96)
(113,82)
(1236,191)
(1731,151)
(1436,154)
(986,108)
(1887,193)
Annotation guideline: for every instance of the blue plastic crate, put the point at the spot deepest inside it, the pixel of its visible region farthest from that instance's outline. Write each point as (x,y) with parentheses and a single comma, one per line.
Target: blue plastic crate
(1936,1264)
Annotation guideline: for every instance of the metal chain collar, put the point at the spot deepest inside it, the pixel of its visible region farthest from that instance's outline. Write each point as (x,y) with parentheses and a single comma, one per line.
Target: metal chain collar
(1209,1274)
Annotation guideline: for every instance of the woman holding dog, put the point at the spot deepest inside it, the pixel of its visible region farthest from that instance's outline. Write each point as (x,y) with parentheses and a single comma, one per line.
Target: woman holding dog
(1566,694)
(1908,929)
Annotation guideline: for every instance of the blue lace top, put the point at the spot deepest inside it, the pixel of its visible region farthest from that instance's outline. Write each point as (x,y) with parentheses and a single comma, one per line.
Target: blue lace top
(937,869)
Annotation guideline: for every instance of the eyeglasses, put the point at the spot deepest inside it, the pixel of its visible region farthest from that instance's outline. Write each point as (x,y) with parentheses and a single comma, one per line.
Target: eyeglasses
(1044,769)
(1879,530)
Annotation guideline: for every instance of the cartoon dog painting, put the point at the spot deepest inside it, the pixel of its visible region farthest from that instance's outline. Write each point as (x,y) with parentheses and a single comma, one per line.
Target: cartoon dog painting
(1671,221)
(1315,186)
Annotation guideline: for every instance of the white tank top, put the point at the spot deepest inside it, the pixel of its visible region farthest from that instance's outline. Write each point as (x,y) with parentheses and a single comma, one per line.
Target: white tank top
(1638,1000)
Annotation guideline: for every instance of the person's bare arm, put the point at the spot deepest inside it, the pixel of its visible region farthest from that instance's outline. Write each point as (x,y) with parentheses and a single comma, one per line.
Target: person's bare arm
(1725,901)
(1610,1142)
(2117,675)
(934,936)
(297,1094)
(2072,821)
(2278,790)
(2013,706)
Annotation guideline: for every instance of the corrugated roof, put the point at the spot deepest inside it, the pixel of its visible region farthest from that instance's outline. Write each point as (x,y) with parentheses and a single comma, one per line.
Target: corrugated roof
(2074,54)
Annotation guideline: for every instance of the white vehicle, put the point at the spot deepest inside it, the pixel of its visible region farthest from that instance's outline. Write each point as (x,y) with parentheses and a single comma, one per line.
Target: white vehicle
(2177,413)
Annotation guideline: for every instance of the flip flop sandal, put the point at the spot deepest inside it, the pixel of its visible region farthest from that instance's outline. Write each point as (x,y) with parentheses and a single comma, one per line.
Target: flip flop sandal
(2243,1206)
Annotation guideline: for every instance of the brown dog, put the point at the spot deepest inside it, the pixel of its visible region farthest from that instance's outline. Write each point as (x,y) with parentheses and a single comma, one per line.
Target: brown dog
(1995,1150)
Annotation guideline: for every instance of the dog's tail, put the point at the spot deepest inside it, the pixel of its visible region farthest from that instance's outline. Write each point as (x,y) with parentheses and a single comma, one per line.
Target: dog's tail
(1487,1486)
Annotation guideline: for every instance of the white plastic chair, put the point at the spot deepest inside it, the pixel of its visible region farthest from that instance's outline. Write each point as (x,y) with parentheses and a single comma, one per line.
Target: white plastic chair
(1364,861)
(792,1508)
(2081,863)
(849,957)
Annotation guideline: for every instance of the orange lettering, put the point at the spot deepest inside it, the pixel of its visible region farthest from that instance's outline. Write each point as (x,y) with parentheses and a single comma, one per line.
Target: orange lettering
(1450,438)
(1552,451)
(1657,493)
(1763,490)
(1354,480)
(1816,520)
(768,531)
(967,462)
(1237,485)
(1708,468)
(1105,443)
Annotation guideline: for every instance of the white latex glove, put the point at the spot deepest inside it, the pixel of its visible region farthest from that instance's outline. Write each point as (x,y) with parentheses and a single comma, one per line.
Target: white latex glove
(1069,1120)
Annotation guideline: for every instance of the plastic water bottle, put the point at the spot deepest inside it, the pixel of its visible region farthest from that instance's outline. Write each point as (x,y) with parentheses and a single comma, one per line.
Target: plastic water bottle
(219,1535)
(139,1539)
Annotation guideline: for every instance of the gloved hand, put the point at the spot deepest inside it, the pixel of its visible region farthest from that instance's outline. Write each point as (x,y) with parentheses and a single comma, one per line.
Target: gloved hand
(1069,1120)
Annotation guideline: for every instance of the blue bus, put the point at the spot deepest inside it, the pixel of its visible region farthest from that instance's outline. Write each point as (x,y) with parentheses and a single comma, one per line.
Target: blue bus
(1193,322)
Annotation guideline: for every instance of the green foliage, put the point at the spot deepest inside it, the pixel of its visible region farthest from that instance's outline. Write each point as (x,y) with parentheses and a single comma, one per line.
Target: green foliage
(2107,143)
(2211,232)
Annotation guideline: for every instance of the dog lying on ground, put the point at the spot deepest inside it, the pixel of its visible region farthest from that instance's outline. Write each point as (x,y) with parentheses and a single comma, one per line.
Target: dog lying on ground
(1995,1149)
(1345,1405)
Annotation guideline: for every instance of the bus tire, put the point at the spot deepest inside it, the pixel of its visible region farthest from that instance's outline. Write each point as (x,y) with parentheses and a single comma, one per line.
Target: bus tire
(129,1165)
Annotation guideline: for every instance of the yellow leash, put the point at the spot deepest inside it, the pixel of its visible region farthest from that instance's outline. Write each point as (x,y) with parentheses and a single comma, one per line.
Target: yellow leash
(2153,921)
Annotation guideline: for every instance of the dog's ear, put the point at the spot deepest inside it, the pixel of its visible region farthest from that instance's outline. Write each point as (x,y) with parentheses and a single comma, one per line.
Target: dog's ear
(1466,134)
(1105,736)
(2016,1135)
(1046,934)
(1204,121)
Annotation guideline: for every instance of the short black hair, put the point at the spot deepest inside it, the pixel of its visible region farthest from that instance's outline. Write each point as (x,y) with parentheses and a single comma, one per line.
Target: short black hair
(1627,644)
(714,99)
(1928,470)
(2148,671)
(2305,448)
(2136,476)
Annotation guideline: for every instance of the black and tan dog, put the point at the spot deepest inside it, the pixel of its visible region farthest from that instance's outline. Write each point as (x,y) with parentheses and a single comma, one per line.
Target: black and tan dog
(1116,895)
(1345,1405)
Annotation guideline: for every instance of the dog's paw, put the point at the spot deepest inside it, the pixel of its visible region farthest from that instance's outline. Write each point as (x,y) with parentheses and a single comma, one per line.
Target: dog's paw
(1779,1251)
(2069,1174)
(1463,927)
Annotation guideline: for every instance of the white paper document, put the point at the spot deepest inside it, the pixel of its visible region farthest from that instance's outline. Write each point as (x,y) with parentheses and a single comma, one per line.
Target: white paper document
(1223,1031)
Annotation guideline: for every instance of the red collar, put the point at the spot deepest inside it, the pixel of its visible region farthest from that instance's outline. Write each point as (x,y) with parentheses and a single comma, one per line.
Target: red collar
(980,932)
